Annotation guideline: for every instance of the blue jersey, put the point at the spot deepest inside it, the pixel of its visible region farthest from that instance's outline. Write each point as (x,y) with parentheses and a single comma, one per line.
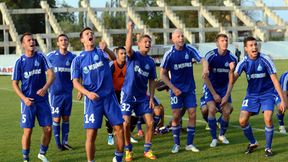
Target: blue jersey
(179,63)
(62,67)
(139,69)
(258,74)
(93,68)
(31,72)
(284,81)
(219,67)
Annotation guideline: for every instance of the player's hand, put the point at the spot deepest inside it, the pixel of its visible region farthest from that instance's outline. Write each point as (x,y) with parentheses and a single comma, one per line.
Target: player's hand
(282,106)
(176,91)
(102,45)
(151,103)
(92,95)
(79,96)
(224,101)
(28,101)
(217,98)
(41,92)
(130,25)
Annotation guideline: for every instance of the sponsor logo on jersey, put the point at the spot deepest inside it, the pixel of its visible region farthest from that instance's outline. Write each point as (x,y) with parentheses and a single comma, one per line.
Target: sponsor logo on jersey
(256,76)
(94,66)
(220,70)
(140,71)
(28,74)
(61,69)
(183,65)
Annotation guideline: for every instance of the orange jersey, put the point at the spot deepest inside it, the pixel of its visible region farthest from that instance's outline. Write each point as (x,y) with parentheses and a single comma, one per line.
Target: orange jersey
(118,76)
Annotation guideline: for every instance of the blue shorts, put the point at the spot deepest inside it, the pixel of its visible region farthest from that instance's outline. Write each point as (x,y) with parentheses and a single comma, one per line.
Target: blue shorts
(61,105)
(254,103)
(220,91)
(185,100)
(95,109)
(139,108)
(202,102)
(41,110)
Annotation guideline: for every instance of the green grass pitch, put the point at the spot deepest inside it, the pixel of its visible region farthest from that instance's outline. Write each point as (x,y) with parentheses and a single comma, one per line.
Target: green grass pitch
(10,132)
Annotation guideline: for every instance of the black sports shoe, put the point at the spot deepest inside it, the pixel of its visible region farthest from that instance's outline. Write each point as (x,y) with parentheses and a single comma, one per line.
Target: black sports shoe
(67,147)
(60,148)
(251,148)
(268,152)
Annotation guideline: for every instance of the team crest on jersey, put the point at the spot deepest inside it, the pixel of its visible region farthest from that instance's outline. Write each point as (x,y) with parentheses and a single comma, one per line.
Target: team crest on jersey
(186,56)
(226,64)
(23,59)
(147,67)
(67,63)
(36,63)
(85,70)
(259,68)
(96,58)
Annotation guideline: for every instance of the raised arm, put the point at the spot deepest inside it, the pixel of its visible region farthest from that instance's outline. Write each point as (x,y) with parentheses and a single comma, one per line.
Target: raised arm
(129,39)
(103,46)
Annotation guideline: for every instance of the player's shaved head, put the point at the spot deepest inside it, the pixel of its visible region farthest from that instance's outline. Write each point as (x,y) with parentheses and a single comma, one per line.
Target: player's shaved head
(176,32)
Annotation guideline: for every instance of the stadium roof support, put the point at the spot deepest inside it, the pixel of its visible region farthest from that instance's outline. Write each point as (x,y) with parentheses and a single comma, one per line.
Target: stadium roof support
(176,20)
(97,23)
(258,32)
(136,19)
(7,20)
(203,12)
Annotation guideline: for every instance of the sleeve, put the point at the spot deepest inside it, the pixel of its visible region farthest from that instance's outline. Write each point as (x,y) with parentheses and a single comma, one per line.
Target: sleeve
(269,65)
(285,83)
(76,71)
(240,68)
(17,70)
(47,65)
(195,53)
(165,61)
(112,66)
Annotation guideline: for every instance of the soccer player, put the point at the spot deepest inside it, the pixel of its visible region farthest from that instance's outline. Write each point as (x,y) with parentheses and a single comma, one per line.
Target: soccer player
(280,114)
(178,60)
(218,92)
(30,70)
(141,69)
(262,79)
(92,68)
(60,92)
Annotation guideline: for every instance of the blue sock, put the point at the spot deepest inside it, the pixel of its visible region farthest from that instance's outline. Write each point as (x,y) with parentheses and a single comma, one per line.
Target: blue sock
(147,147)
(56,132)
(224,126)
(213,127)
(176,134)
(129,147)
(43,149)
(65,132)
(269,136)
(249,134)
(119,156)
(280,119)
(139,122)
(156,121)
(190,135)
(26,154)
